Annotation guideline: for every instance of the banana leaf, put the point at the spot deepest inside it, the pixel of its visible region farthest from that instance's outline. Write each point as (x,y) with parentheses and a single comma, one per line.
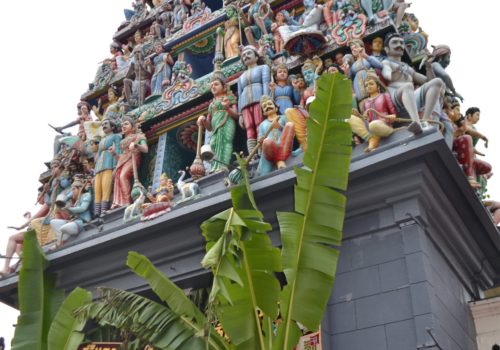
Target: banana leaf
(38,298)
(310,233)
(151,322)
(66,331)
(175,298)
(243,261)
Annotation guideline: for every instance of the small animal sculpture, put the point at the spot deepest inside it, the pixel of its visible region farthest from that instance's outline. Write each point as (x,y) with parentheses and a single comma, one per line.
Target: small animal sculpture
(189,189)
(134,210)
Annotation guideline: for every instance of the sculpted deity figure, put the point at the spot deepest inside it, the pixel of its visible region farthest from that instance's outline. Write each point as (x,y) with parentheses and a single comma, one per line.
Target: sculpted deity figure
(252,85)
(257,20)
(132,144)
(39,222)
(221,122)
(113,110)
(232,38)
(109,147)
(401,77)
(277,146)
(136,90)
(162,75)
(440,59)
(285,96)
(298,115)
(180,13)
(78,209)
(360,68)
(377,48)
(371,7)
(380,114)
(119,59)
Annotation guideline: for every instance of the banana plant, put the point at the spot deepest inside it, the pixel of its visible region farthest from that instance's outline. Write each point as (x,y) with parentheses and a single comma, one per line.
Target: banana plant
(45,321)
(247,297)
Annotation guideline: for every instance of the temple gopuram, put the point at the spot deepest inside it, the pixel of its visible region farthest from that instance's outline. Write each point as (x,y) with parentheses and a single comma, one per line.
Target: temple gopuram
(189,84)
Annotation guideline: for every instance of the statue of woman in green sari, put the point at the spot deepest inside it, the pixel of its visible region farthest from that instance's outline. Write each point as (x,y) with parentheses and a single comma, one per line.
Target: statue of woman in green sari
(221,121)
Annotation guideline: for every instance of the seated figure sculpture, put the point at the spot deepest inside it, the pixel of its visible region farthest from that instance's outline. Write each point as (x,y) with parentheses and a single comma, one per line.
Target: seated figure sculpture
(440,59)
(380,112)
(277,145)
(401,77)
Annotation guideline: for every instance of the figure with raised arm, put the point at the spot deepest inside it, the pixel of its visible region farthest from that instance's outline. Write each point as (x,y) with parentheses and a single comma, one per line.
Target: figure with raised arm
(277,146)
(401,79)
(360,68)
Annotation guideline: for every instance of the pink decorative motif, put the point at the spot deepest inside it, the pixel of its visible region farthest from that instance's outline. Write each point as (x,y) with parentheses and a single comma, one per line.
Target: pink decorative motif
(196,21)
(351,26)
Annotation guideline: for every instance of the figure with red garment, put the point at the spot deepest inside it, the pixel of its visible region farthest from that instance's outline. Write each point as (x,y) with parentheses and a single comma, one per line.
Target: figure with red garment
(277,146)
(463,145)
(132,145)
(380,113)
(252,85)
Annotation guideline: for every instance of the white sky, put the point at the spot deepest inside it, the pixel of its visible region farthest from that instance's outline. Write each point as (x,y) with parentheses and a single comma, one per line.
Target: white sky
(50,53)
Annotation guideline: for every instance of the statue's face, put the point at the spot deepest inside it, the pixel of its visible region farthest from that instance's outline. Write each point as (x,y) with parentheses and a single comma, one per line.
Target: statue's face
(268,107)
(216,87)
(249,57)
(282,74)
(445,60)
(396,47)
(126,127)
(308,76)
(377,44)
(106,126)
(371,86)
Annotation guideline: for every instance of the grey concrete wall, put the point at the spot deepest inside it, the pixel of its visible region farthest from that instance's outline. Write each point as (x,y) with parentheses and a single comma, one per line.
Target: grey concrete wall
(392,283)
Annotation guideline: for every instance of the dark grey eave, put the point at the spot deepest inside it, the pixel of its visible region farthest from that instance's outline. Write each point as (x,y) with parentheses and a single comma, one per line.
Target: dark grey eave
(405,168)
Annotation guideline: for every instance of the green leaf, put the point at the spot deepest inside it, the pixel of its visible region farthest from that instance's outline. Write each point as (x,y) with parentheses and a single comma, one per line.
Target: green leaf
(308,235)
(166,290)
(151,322)
(66,331)
(38,298)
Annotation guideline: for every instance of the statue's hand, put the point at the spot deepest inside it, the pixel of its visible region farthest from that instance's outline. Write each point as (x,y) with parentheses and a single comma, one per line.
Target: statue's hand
(14,228)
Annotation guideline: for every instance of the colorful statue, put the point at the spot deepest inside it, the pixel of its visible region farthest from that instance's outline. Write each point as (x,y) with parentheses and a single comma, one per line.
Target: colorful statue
(440,59)
(401,77)
(277,146)
(380,113)
(221,122)
(180,13)
(187,189)
(120,60)
(113,110)
(232,39)
(463,145)
(83,111)
(472,116)
(257,20)
(285,96)
(161,200)
(303,36)
(252,85)
(136,90)
(78,209)
(360,68)
(109,148)
(299,114)
(132,145)
(371,7)
(162,75)
(377,48)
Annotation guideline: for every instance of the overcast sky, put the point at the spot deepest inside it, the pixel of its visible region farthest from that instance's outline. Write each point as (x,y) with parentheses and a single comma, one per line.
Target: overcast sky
(51,51)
